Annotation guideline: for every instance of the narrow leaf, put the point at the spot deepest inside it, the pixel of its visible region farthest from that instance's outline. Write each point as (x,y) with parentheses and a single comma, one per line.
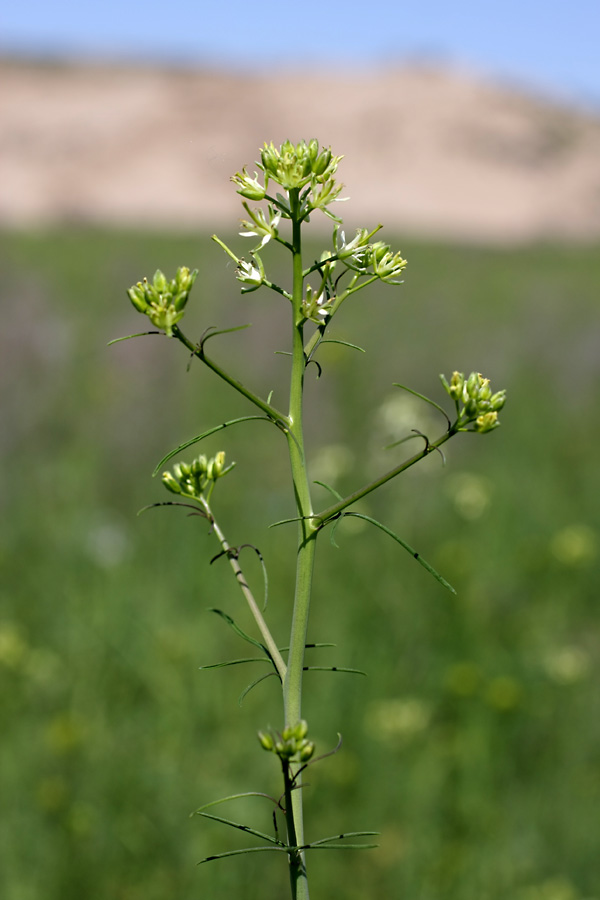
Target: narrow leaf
(129,336)
(407,547)
(253,685)
(205,434)
(333,669)
(239,631)
(330,489)
(285,521)
(239,852)
(408,437)
(247,828)
(213,334)
(236,662)
(234,797)
(264,570)
(338,847)
(334,528)
(343,343)
(309,647)
(426,399)
(347,834)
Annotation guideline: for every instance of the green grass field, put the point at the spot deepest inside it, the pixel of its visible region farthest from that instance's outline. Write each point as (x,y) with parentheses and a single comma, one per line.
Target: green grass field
(474,744)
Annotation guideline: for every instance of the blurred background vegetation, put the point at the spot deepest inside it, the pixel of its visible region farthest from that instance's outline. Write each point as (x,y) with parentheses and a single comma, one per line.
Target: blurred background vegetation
(474,743)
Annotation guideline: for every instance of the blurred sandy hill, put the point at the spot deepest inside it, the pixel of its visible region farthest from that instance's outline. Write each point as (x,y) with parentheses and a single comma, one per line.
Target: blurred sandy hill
(429,151)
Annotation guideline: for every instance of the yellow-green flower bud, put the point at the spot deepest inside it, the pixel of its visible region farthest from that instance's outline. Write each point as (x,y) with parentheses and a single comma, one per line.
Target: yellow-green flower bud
(266,740)
(497,400)
(249,187)
(159,282)
(285,749)
(301,730)
(313,151)
(457,383)
(164,317)
(171,483)
(137,295)
(486,422)
(306,751)
(320,165)
(473,384)
(485,391)
(269,158)
(197,467)
(470,407)
(218,464)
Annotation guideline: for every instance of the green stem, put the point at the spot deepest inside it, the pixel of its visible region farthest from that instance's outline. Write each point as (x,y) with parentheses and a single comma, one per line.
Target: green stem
(292,685)
(296,857)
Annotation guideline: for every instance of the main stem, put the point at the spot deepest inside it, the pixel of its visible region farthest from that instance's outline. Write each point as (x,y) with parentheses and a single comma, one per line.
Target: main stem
(292,685)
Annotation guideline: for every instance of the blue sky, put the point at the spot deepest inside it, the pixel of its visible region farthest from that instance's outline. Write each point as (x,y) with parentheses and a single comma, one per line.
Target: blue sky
(550,46)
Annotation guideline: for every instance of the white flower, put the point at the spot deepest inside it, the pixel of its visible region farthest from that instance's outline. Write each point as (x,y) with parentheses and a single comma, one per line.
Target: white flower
(259,226)
(248,273)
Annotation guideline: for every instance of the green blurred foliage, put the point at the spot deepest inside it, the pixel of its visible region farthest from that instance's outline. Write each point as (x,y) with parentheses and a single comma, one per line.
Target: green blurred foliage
(473,745)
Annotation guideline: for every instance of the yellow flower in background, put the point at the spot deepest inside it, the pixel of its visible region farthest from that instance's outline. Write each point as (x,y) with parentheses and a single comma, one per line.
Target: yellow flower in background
(575,545)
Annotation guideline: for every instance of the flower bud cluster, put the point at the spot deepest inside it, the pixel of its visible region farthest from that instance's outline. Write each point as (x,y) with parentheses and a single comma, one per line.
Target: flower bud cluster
(295,166)
(369,259)
(476,405)
(163,300)
(386,264)
(355,253)
(192,479)
(291,745)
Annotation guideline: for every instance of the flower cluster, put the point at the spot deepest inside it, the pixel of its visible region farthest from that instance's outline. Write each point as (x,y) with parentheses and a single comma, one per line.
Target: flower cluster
(316,305)
(369,259)
(163,300)
(291,745)
(295,166)
(193,479)
(476,405)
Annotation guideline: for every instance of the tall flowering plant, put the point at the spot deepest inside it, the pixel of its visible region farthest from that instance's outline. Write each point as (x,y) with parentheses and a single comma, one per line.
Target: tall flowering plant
(293,183)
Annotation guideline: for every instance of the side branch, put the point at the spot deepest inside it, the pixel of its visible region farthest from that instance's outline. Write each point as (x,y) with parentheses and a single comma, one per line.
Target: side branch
(320,519)
(241,580)
(278,417)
